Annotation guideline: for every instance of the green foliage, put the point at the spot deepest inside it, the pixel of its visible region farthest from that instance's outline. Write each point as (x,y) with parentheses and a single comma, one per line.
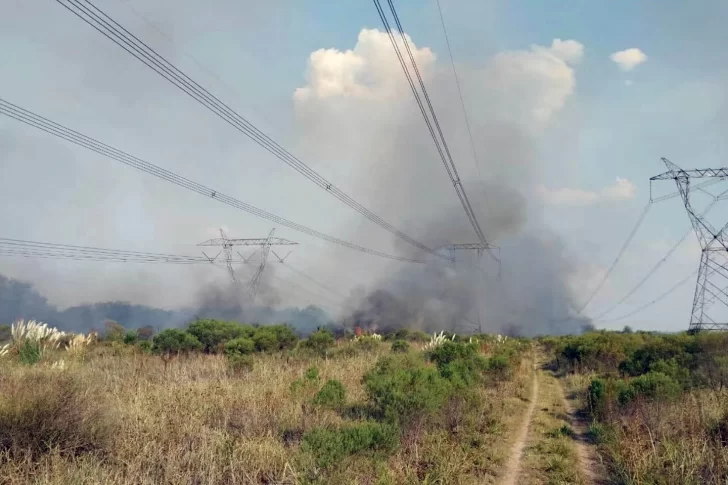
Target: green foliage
(212,334)
(331,446)
(401,388)
(239,346)
(174,341)
(265,340)
(30,353)
(311,374)
(285,336)
(332,395)
(653,386)
(400,346)
(130,337)
(240,363)
(459,362)
(319,342)
(145,346)
(367,344)
(307,384)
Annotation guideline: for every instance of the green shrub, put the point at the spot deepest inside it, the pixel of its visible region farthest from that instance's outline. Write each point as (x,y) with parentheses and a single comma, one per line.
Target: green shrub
(307,384)
(30,353)
(597,397)
(145,346)
(367,344)
(265,340)
(330,446)
(400,346)
(130,337)
(459,362)
(319,342)
(239,346)
(212,334)
(653,386)
(401,388)
(240,363)
(285,336)
(332,395)
(311,374)
(174,341)
(45,411)
(499,367)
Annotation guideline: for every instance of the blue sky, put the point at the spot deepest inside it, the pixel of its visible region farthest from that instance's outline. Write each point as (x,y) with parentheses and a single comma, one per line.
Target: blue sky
(613,123)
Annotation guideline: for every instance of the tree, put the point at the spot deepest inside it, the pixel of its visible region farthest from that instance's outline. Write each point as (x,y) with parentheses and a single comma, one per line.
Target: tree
(320,341)
(212,333)
(145,333)
(174,341)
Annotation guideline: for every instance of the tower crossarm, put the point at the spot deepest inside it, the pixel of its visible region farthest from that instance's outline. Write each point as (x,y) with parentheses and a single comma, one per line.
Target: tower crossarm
(273,241)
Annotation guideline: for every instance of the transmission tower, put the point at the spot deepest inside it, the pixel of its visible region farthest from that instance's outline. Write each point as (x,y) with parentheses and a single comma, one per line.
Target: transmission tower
(452,250)
(226,244)
(710,302)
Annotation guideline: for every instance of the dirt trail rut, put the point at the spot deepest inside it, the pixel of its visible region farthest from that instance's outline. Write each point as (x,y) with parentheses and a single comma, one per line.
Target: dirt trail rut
(592,470)
(514,463)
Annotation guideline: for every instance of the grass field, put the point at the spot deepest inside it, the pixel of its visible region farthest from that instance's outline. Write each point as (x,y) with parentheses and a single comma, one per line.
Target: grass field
(117,414)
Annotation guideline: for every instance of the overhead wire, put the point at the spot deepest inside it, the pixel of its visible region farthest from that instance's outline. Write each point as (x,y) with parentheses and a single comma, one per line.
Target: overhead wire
(433,125)
(650,303)
(32,119)
(96,18)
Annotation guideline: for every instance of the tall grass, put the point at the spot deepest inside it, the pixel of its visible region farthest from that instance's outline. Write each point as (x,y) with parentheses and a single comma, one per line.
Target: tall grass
(123,416)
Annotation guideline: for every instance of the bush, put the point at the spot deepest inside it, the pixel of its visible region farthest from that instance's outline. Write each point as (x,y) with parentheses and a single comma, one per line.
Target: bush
(367,344)
(319,342)
(265,340)
(50,411)
(174,341)
(130,337)
(459,362)
(400,346)
(145,346)
(5,333)
(239,346)
(653,386)
(212,334)
(499,367)
(30,352)
(145,333)
(285,336)
(402,388)
(330,446)
(332,395)
(240,363)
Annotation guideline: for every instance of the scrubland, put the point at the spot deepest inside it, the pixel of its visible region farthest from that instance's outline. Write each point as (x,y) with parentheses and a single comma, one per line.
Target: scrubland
(657,404)
(227,403)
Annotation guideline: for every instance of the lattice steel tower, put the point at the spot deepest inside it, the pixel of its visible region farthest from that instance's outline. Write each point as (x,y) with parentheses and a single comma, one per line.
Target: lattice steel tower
(710,303)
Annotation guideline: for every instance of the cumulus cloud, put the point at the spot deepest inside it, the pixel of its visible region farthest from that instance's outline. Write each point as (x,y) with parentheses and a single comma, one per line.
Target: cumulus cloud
(622,189)
(628,59)
(355,112)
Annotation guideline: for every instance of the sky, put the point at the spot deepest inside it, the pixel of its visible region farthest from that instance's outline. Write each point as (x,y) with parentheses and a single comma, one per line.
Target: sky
(571,107)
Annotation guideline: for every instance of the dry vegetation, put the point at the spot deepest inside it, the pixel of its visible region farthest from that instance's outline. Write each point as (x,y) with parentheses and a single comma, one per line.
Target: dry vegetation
(550,457)
(119,414)
(658,404)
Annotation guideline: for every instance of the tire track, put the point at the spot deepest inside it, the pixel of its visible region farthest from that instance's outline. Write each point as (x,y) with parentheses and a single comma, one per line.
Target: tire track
(514,462)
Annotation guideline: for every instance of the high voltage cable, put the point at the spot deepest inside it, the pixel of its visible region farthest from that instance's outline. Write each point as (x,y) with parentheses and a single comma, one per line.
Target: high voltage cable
(313,280)
(624,247)
(645,306)
(440,142)
(53,128)
(460,94)
(650,272)
(93,16)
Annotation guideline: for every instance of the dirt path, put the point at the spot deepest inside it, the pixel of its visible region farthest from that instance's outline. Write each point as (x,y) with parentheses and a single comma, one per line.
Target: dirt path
(514,463)
(592,470)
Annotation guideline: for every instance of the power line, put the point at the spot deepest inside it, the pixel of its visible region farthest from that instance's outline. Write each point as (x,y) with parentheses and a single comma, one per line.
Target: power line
(649,304)
(93,16)
(56,129)
(624,247)
(439,138)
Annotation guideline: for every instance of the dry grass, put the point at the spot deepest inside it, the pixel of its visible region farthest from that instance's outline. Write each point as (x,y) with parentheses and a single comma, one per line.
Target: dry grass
(550,457)
(129,419)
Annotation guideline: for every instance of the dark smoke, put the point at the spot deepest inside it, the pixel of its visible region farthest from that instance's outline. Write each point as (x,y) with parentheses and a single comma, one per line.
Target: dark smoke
(20,300)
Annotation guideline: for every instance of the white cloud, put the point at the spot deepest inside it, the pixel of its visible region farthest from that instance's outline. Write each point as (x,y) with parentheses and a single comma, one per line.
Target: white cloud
(371,69)
(622,189)
(628,59)
(568,50)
